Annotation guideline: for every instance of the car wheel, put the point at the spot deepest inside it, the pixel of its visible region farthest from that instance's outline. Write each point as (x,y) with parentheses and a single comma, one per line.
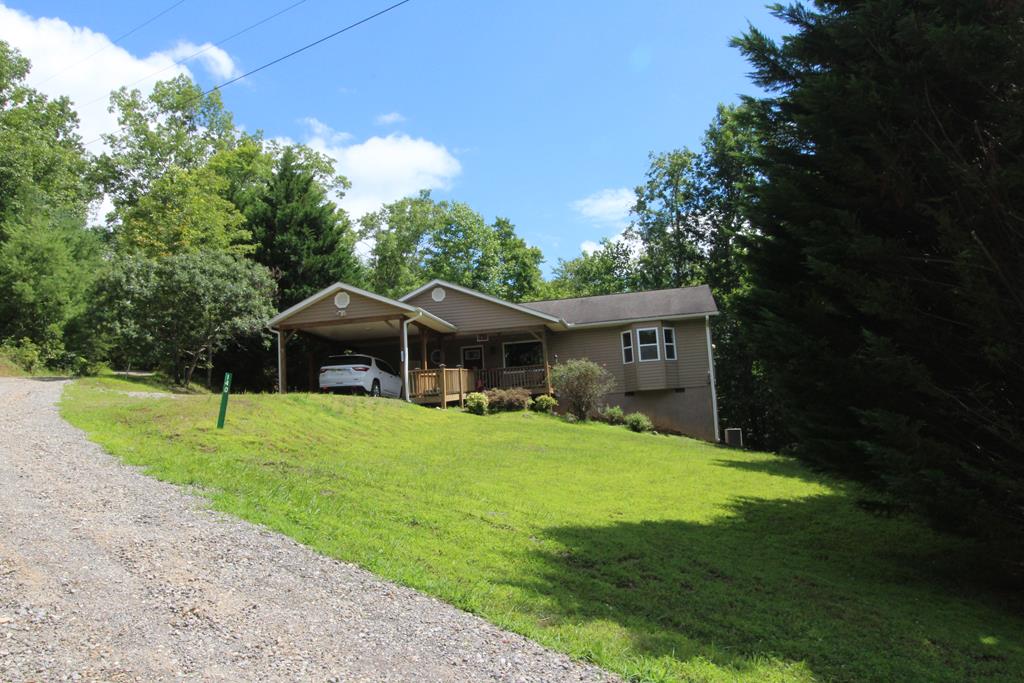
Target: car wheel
(375,389)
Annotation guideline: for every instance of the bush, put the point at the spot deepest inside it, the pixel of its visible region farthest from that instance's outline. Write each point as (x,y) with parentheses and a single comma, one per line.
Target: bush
(476,403)
(613,415)
(544,404)
(25,354)
(508,399)
(638,422)
(581,383)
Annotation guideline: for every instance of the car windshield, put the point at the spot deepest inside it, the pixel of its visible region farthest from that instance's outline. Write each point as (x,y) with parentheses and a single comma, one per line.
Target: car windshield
(350,360)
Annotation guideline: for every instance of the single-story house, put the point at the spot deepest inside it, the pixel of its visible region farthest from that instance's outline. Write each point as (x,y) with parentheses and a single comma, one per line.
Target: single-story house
(449,340)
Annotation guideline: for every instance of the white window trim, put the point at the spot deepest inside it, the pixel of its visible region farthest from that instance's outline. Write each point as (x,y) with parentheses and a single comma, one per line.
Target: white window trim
(521,341)
(632,347)
(656,345)
(664,341)
(483,356)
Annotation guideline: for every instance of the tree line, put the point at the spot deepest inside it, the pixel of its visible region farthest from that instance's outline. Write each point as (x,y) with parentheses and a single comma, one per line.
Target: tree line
(860,225)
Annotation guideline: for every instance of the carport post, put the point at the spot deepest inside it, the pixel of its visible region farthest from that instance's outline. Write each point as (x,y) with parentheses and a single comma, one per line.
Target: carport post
(282,363)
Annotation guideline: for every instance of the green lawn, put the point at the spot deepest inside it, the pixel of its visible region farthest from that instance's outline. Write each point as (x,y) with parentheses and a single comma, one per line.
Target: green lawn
(660,558)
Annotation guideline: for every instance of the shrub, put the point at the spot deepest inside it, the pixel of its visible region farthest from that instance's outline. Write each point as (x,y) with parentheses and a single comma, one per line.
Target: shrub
(613,415)
(25,354)
(476,403)
(638,422)
(508,399)
(581,383)
(544,404)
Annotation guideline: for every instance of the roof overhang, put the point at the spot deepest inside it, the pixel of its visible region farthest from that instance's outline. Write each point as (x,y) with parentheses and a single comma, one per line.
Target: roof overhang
(630,321)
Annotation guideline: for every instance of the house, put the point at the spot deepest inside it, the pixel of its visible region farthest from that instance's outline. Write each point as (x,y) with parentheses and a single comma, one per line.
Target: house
(656,344)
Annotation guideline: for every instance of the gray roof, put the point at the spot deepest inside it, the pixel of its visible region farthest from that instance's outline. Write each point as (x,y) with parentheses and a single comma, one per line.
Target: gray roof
(660,303)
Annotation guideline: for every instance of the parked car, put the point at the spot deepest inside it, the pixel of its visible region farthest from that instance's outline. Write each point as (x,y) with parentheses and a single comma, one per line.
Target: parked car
(354,373)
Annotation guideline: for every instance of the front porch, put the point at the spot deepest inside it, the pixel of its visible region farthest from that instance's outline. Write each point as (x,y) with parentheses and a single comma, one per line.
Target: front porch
(443,385)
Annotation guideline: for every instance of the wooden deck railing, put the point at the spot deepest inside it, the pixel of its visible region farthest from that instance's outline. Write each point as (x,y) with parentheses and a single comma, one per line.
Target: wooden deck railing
(525,376)
(441,385)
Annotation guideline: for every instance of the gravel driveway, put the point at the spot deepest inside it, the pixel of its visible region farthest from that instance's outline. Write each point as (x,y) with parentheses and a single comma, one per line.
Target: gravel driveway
(106,574)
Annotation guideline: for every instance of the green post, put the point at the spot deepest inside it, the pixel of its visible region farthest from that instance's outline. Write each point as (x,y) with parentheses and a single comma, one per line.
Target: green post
(224,400)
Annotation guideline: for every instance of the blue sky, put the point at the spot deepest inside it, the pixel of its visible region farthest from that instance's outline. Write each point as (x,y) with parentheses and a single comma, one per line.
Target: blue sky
(543,112)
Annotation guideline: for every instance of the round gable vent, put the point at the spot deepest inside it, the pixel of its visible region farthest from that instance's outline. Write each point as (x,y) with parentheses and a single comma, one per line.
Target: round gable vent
(342,299)
(437,294)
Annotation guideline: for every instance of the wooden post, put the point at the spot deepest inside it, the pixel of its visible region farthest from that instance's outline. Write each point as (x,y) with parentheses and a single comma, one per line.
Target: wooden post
(547,365)
(423,348)
(282,362)
(444,386)
(462,386)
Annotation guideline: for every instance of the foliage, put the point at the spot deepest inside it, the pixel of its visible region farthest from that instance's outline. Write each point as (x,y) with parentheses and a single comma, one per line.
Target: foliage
(418,239)
(581,383)
(659,559)
(42,161)
(176,127)
(47,263)
(886,276)
(613,415)
(477,403)
(508,400)
(185,307)
(544,404)
(610,269)
(301,236)
(638,422)
(184,211)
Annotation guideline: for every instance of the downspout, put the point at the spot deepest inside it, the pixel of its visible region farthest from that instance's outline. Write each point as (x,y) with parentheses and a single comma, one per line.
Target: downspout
(405,353)
(711,370)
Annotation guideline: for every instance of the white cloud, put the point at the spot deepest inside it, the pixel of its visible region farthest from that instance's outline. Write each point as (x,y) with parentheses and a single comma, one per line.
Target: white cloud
(216,61)
(389,119)
(383,169)
(85,65)
(589,246)
(608,208)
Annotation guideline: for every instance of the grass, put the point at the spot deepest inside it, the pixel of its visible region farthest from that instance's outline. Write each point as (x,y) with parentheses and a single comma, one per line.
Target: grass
(660,558)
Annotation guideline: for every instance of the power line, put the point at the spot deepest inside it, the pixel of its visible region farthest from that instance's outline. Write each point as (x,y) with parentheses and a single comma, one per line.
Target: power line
(292,53)
(208,47)
(307,46)
(117,40)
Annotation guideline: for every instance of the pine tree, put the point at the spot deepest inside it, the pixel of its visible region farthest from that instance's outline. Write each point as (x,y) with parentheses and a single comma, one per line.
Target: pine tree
(887,276)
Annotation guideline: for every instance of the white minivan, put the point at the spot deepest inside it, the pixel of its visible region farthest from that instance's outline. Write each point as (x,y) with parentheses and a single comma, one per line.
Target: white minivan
(355,373)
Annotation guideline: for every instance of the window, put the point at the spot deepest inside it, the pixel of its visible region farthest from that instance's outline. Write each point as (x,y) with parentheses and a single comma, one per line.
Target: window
(669,335)
(627,347)
(522,353)
(647,340)
(385,367)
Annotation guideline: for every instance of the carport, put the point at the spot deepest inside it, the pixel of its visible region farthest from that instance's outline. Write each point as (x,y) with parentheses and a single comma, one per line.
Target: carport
(344,313)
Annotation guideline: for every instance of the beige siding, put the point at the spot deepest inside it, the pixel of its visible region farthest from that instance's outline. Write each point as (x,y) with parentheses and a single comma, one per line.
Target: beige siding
(692,352)
(325,310)
(685,411)
(473,314)
(599,345)
(494,355)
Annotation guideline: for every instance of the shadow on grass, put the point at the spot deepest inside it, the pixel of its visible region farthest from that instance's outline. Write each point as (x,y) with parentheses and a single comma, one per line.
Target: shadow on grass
(812,583)
(777,466)
(50,378)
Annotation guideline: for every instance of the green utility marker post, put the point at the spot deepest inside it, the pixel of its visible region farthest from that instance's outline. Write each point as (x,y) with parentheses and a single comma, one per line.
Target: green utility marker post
(224,400)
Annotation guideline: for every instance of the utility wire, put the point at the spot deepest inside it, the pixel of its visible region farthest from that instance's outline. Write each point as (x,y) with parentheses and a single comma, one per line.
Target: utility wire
(307,46)
(113,42)
(209,46)
(292,53)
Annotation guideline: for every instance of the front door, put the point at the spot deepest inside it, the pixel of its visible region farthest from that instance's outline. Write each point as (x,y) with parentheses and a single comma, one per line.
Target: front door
(473,357)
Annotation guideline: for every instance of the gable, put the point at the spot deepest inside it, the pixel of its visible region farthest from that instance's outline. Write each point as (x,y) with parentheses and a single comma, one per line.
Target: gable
(471,313)
(324,310)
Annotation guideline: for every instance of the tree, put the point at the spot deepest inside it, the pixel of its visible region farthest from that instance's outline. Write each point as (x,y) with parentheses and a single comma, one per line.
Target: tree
(418,239)
(886,274)
(47,262)
(175,127)
(185,307)
(183,211)
(610,269)
(42,161)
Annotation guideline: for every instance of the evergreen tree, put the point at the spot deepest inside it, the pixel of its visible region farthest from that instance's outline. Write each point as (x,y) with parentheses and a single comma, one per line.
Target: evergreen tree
(887,272)
(300,235)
